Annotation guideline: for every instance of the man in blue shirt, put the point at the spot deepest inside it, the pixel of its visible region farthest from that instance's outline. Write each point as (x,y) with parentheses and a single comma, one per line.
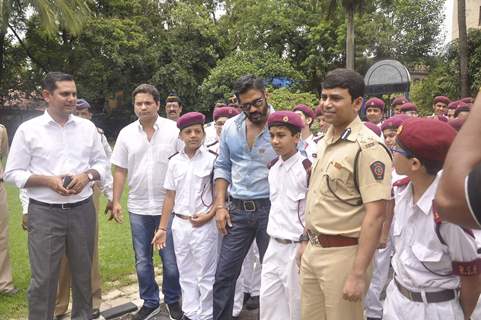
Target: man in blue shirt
(244,154)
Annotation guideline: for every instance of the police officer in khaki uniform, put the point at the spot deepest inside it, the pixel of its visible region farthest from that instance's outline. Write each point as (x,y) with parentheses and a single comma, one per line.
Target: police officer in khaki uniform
(346,203)
(6,281)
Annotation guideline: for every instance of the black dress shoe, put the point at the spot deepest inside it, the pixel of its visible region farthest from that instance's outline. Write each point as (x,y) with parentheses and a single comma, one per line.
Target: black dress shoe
(95,313)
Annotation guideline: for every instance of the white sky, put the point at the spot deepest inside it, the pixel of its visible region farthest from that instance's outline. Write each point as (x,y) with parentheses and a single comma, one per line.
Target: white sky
(448,19)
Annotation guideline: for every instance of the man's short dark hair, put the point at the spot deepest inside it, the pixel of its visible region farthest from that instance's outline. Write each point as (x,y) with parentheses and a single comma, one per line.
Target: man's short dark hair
(49,83)
(148,89)
(346,79)
(246,83)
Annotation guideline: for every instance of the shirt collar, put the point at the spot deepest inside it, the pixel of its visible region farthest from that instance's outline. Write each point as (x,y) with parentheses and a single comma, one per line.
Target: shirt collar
(156,124)
(350,133)
(289,163)
(47,119)
(425,203)
(202,149)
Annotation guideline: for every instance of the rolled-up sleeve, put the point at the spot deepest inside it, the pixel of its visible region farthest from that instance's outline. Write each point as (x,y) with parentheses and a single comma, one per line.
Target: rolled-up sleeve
(223,164)
(119,156)
(98,158)
(18,161)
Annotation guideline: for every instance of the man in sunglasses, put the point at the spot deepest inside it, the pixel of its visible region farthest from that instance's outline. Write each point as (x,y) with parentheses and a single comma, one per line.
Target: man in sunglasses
(244,154)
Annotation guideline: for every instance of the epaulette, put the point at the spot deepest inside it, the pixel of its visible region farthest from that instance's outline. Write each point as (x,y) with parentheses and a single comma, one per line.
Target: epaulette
(366,142)
(307,164)
(317,139)
(212,144)
(213,152)
(100,130)
(402,183)
(173,155)
(207,124)
(2,126)
(272,162)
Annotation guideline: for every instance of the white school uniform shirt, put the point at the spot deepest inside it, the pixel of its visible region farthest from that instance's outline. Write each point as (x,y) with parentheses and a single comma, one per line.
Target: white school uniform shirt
(287,192)
(41,146)
(416,243)
(309,146)
(146,162)
(191,179)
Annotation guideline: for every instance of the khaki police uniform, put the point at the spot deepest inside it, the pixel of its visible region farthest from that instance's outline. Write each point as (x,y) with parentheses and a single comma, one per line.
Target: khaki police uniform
(64,283)
(334,214)
(6,281)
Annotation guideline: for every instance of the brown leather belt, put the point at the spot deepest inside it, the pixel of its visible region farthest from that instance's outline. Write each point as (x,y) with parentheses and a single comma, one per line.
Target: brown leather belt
(431,297)
(331,240)
(182,216)
(285,241)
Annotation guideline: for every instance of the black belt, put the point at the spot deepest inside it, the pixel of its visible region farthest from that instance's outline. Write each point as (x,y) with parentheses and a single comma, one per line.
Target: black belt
(431,297)
(250,205)
(285,241)
(63,206)
(182,216)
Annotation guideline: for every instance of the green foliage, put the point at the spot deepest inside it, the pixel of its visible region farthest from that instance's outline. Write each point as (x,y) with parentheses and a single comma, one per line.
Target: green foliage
(264,64)
(444,77)
(283,99)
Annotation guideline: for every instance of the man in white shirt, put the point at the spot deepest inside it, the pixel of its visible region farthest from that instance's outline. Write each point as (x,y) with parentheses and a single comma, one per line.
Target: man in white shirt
(141,155)
(55,157)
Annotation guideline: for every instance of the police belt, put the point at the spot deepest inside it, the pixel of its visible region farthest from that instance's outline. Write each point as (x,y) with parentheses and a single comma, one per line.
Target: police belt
(250,205)
(431,297)
(330,240)
(63,206)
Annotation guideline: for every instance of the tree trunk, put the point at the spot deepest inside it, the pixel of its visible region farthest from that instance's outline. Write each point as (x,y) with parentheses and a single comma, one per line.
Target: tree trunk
(350,37)
(463,49)
(2,54)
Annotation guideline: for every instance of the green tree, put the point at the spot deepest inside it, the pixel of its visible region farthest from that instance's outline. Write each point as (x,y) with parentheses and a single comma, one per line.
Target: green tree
(219,83)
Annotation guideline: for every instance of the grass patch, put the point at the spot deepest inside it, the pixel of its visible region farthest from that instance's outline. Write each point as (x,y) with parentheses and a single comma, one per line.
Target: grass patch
(115,250)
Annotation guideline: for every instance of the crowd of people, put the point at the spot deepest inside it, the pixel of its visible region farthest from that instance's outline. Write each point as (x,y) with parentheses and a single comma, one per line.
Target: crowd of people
(254,208)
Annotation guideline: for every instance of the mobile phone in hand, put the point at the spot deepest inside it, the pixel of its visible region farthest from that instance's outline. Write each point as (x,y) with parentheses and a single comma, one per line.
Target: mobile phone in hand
(66,181)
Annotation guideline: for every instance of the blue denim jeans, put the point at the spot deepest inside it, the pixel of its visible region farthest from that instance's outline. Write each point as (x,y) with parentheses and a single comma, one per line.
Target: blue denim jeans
(143,229)
(245,227)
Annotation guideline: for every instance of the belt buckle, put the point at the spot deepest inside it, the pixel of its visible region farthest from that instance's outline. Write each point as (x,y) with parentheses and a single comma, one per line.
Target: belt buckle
(64,206)
(249,205)
(410,295)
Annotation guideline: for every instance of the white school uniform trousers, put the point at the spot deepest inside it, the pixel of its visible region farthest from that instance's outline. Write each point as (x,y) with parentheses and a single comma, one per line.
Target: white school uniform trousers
(380,274)
(195,247)
(280,296)
(422,262)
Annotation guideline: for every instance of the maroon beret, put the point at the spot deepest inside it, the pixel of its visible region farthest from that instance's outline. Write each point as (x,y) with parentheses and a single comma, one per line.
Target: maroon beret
(454,104)
(228,112)
(427,139)
(374,128)
(394,122)
(306,110)
(456,123)
(319,111)
(467,100)
(282,118)
(375,103)
(399,101)
(189,119)
(442,99)
(409,106)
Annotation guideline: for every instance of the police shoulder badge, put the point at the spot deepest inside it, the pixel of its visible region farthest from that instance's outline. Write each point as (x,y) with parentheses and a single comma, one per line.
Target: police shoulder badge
(377,169)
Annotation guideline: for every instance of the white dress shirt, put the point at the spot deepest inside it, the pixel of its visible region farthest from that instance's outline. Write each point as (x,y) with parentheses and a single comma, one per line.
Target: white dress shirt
(41,146)
(288,188)
(191,179)
(421,261)
(146,162)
